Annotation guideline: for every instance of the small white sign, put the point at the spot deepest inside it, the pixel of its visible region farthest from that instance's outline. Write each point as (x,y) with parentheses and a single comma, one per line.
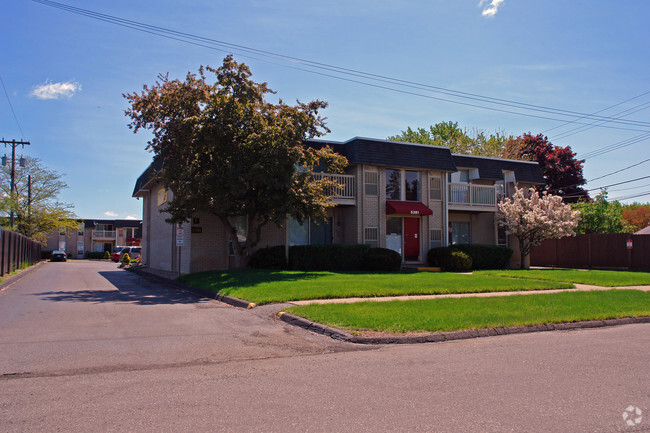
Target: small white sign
(179,236)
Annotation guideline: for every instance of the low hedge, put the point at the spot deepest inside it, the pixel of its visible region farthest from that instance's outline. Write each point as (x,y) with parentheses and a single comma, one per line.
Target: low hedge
(382,260)
(92,255)
(483,256)
(333,257)
(269,258)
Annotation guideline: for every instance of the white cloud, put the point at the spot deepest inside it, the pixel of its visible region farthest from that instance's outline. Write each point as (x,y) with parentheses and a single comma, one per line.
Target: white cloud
(132,217)
(108,213)
(491,7)
(49,90)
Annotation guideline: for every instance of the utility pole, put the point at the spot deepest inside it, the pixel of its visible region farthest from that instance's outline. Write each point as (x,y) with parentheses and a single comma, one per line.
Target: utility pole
(13,144)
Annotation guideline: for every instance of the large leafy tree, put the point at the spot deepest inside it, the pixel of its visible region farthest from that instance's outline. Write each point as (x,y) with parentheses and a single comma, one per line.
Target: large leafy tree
(637,216)
(562,170)
(226,151)
(38,215)
(449,134)
(601,216)
(534,217)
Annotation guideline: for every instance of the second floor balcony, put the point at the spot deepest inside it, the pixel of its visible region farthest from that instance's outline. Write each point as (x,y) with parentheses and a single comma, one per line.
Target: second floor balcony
(345,195)
(467,196)
(103,234)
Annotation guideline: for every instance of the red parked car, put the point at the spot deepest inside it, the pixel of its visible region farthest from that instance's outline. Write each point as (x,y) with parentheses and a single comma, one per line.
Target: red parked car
(115,254)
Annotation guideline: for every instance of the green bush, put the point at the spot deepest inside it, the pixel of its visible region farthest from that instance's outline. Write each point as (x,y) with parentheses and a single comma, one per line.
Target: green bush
(334,257)
(269,258)
(46,254)
(483,256)
(95,255)
(107,254)
(486,256)
(126,259)
(382,259)
(457,261)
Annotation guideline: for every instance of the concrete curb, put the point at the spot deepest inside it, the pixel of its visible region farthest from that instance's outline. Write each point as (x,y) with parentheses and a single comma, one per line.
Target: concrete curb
(13,278)
(235,302)
(437,337)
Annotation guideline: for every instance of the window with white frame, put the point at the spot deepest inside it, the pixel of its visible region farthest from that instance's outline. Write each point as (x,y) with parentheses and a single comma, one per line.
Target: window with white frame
(371,236)
(371,182)
(435,188)
(435,238)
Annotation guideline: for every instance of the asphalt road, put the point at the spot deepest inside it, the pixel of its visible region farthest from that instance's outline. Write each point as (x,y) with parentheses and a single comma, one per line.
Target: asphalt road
(85,346)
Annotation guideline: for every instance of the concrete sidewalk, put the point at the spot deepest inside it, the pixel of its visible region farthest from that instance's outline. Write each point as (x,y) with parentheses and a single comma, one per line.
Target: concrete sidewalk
(578,288)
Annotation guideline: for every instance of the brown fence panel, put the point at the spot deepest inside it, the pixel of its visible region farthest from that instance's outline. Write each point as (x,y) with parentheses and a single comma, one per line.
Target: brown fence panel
(641,252)
(16,249)
(594,250)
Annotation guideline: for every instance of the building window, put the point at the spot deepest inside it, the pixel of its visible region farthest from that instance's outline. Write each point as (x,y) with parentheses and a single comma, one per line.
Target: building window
(81,229)
(500,187)
(412,185)
(372,183)
(394,234)
(435,188)
(393,185)
(459,233)
(310,232)
(435,238)
(502,236)
(461,176)
(240,225)
(371,235)
(411,181)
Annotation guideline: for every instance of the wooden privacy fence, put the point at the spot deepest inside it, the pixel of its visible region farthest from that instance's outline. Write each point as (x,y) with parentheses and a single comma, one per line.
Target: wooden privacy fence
(16,250)
(594,251)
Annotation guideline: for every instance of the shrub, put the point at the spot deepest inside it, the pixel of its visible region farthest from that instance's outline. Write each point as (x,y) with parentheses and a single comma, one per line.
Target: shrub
(126,259)
(107,254)
(486,256)
(46,254)
(457,261)
(435,256)
(382,259)
(334,257)
(269,258)
(95,255)
(483,256)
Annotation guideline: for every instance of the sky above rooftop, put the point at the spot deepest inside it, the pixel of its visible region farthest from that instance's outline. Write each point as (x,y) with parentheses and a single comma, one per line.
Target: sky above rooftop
(64,75)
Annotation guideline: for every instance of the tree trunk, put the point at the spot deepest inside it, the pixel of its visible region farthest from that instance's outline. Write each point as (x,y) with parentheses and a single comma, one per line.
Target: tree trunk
(524,256)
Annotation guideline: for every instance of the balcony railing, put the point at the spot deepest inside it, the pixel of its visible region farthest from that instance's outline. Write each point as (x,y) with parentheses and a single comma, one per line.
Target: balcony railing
(103,234)
(344,195)
(474,196)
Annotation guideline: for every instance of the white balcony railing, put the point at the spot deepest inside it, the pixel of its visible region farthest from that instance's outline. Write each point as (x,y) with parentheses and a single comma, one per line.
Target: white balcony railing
(346,193)
(103,234)
(467,194)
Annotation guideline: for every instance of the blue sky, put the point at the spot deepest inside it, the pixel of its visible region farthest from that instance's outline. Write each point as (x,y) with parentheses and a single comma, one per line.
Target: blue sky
(65,74)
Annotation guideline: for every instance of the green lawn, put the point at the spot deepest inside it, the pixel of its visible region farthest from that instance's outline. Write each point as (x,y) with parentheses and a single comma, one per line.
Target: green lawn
(595,278)
(472,313)
(263,287)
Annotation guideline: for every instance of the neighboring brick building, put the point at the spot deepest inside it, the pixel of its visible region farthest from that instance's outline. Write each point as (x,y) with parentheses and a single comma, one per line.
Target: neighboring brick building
(403,196)
(96,235)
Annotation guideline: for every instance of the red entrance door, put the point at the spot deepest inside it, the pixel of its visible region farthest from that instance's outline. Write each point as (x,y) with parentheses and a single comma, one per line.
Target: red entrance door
(411,238)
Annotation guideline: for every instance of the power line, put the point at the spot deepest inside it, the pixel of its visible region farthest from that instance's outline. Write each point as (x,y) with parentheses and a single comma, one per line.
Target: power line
(618,171)
(11,106)
(584,128)
(616,146)
(631,196)
(599,111)
(332,70)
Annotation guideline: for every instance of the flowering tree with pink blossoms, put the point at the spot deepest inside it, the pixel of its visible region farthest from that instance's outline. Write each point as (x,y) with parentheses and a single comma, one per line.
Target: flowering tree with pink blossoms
(534,218)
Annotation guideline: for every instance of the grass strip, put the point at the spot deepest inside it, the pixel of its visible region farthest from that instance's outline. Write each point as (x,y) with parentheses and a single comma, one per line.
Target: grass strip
(451,314)
(591,277)
(263,287)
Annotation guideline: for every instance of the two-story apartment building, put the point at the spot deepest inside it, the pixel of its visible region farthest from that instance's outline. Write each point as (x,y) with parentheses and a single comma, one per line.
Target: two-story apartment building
(403,196)
(96,235)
